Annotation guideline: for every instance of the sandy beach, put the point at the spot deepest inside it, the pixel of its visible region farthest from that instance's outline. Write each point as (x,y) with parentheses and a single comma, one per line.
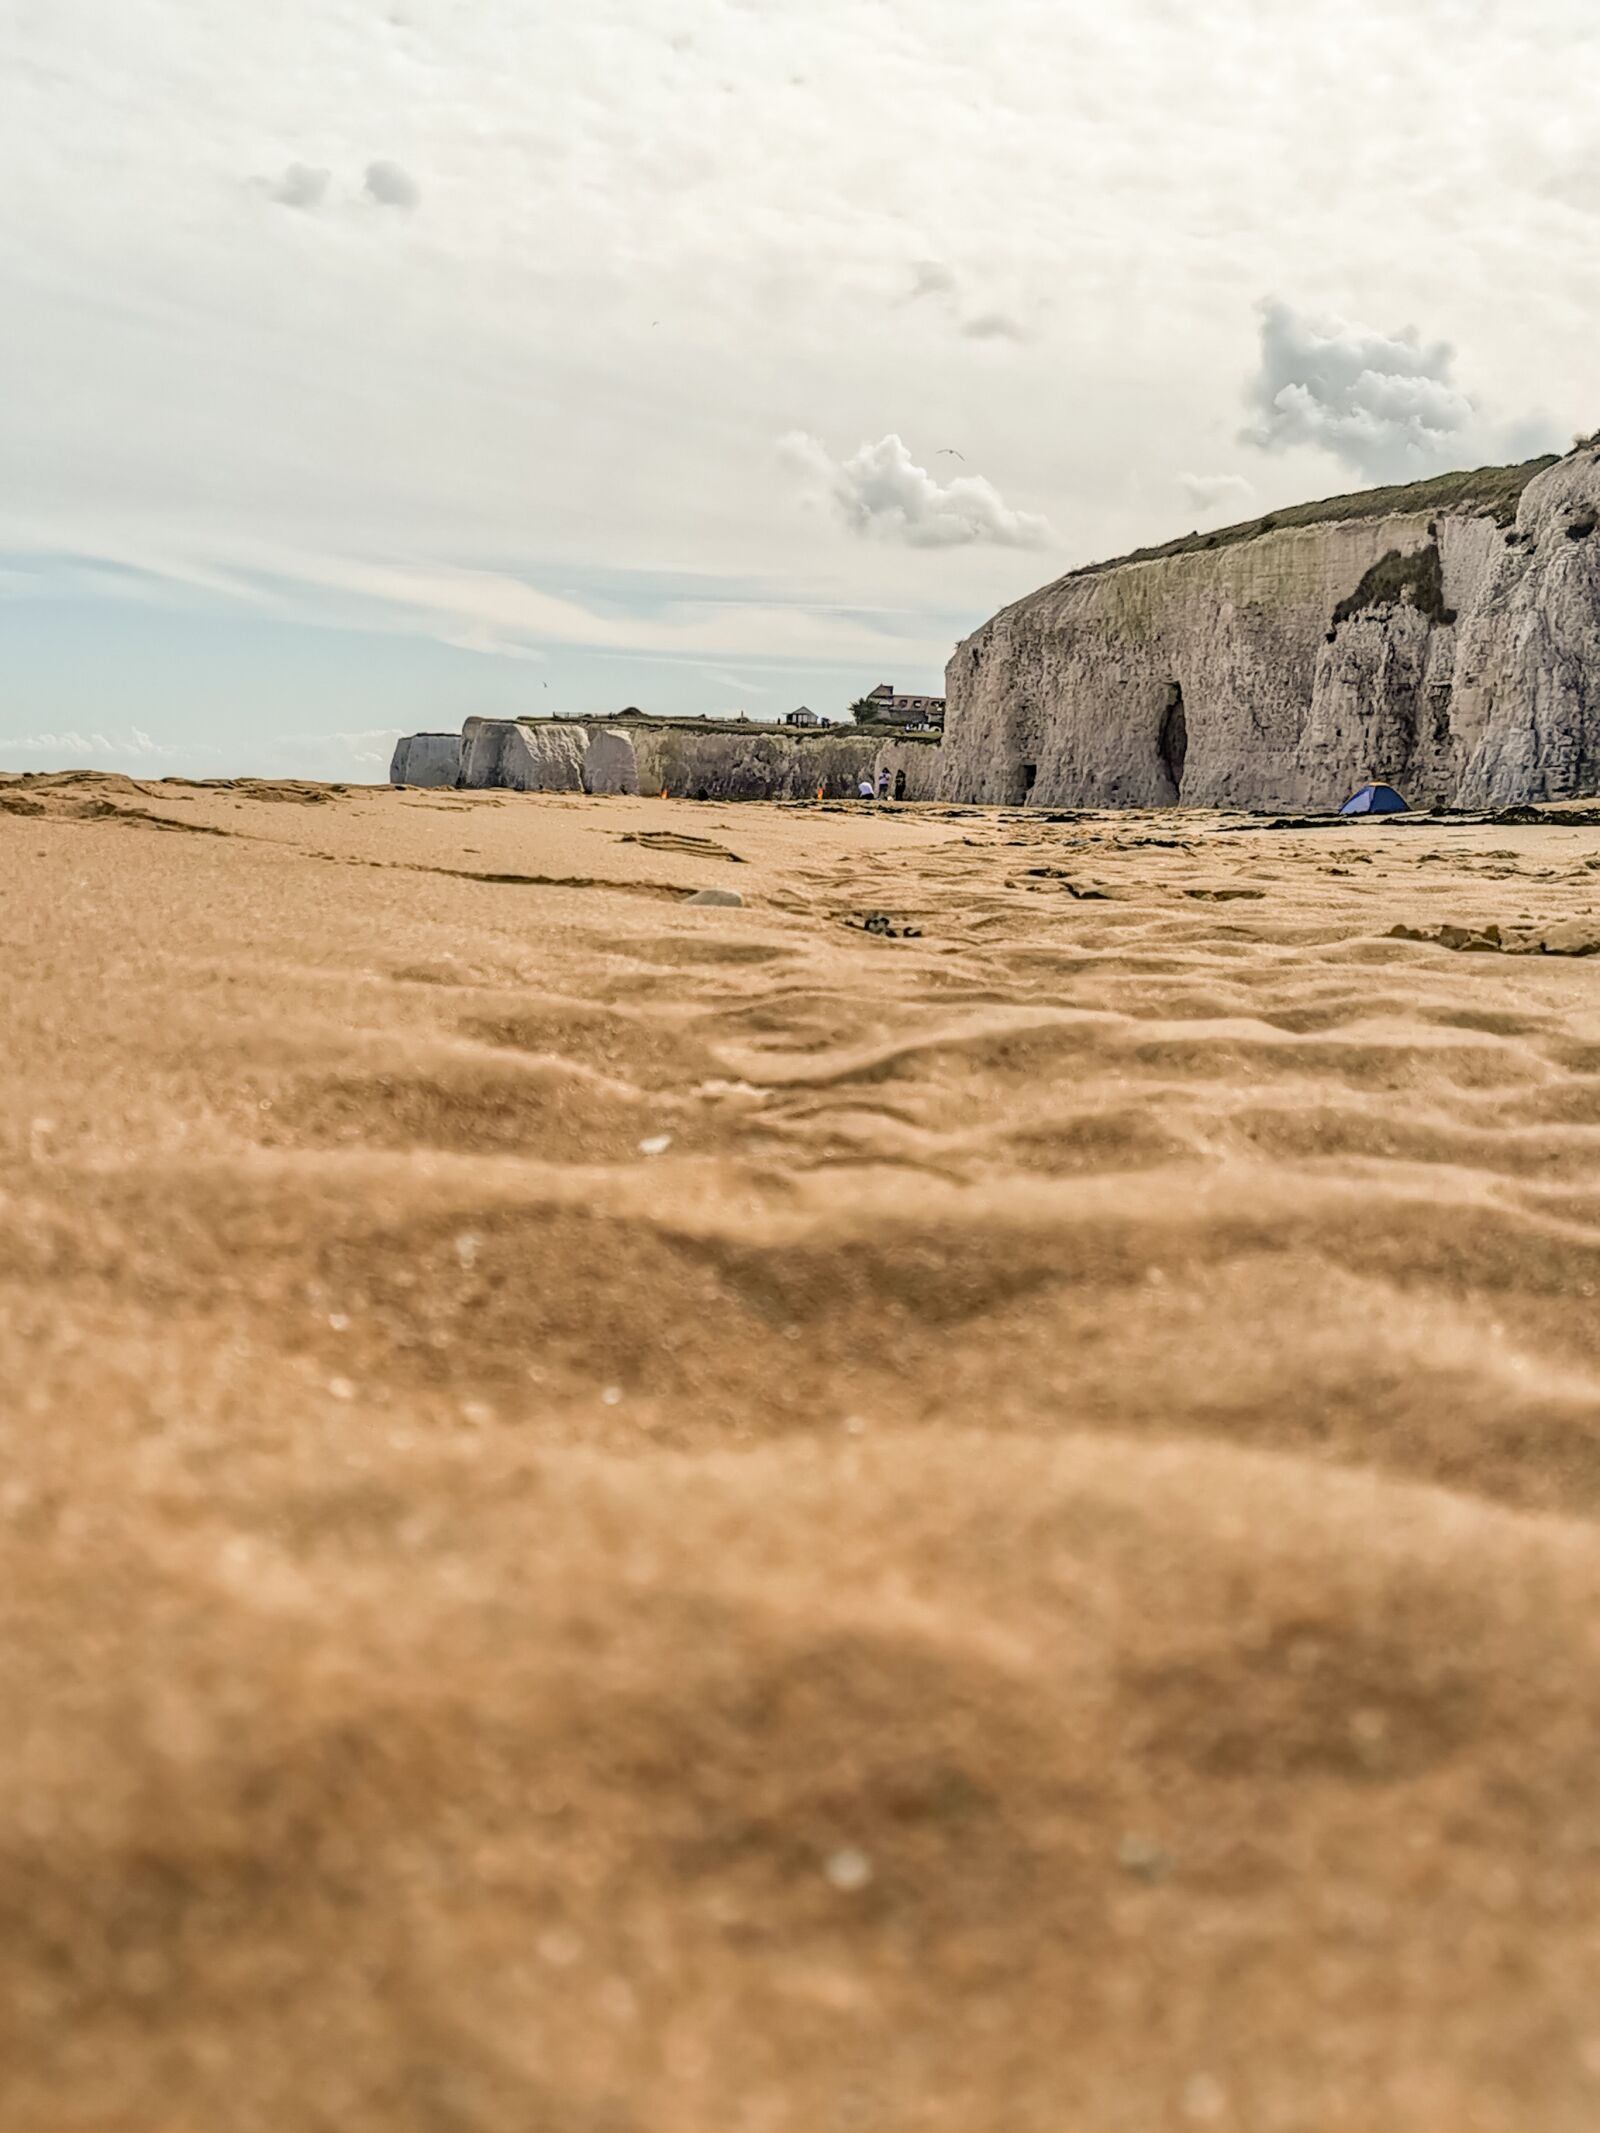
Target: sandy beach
(959,1499)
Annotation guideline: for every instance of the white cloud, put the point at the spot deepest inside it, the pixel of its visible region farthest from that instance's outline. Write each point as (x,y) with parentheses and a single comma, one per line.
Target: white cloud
(1383,403)
(1217,492)
(302,187)
(881,490)
(391,186)
(1386,405)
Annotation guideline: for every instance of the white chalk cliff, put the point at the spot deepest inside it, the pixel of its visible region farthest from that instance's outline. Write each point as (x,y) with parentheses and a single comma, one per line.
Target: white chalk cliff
(731,762)
(1432,639)
(427,759)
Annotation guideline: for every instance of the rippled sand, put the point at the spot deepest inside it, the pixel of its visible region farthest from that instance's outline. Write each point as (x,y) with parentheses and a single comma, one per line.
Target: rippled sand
(630,1518)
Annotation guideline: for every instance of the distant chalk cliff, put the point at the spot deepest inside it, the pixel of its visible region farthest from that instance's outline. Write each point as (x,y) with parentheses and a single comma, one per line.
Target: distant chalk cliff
(685,758)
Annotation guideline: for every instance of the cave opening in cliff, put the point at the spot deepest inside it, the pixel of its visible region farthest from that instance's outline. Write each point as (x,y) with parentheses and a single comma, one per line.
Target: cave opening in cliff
(1030,773)
(1173,741)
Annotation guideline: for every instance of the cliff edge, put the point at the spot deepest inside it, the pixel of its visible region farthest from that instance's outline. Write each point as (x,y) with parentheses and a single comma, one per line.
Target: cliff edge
(1444,637)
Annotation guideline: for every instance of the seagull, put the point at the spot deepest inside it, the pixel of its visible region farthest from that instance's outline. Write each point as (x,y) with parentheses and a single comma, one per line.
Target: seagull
(950,449)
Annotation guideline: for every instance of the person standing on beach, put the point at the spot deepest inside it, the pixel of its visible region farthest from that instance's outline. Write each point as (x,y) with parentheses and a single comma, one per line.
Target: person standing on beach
(883,783)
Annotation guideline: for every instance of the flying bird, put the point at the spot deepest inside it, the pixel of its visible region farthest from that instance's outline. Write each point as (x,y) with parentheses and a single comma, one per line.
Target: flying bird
(950,450)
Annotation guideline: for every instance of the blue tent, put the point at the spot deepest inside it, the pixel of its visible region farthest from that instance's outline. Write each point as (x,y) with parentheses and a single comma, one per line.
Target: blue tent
(1375,800)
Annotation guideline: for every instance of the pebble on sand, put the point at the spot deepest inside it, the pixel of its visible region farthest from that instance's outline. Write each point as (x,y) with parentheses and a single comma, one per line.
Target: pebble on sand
(731,897)
(849,1869)
(1143,1857)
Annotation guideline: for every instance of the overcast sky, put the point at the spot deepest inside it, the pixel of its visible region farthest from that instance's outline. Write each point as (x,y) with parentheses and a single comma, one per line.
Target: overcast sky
(366,363)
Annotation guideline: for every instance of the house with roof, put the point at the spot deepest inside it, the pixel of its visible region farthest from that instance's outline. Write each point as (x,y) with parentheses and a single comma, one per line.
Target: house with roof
(918,714)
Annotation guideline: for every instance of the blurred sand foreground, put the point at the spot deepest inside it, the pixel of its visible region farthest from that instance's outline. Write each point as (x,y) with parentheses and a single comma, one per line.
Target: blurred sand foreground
(629,1518)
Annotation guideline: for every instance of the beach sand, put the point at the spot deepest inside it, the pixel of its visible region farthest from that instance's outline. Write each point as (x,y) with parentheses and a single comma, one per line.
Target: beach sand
(625,1517)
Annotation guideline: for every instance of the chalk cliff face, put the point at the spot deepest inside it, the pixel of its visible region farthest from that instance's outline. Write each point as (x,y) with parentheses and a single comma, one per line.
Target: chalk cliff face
(736,763)
(1528,674)
(1451,654)
(542,758)
(426,759)
(914,767)
(741,765)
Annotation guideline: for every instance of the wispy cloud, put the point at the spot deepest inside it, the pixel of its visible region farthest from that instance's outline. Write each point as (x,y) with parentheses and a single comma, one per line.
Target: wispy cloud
(1216,492)
(505,615)
(994,326)
(931,277)
(371,747)
(938,288)
(73,745)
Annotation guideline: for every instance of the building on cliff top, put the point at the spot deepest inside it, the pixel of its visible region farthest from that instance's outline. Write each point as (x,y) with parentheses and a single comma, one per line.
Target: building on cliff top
(917,713)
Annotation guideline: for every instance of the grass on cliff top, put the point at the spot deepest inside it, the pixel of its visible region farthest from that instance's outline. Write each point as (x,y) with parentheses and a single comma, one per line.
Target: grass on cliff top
(636,722)
(1484,492)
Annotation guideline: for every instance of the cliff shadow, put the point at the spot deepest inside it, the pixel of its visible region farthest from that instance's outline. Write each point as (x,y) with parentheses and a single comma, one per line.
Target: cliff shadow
(1172,739)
